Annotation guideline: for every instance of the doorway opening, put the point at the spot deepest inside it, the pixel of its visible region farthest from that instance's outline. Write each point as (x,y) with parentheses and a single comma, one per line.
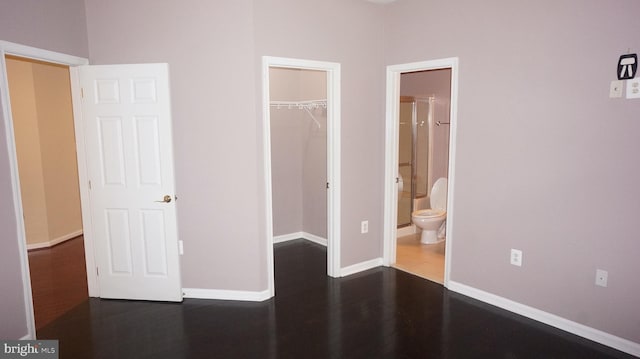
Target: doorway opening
(420,138)
(46,154)
(145,85)
(301,135)
(18,51)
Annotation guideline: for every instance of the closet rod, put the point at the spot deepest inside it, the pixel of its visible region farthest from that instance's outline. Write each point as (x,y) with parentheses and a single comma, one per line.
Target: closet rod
(307,106)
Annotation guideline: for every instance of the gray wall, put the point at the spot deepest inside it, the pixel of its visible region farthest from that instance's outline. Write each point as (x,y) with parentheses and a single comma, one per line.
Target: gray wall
(344,32)
(57,25)
(298,153)
(209,48)
(214,51)
(546,162)
(287,159)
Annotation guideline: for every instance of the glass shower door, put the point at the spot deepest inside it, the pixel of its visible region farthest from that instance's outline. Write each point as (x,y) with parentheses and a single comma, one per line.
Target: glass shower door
(422,145)
(405,159)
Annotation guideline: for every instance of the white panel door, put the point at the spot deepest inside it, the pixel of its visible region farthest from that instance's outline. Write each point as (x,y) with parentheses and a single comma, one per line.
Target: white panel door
(127,128)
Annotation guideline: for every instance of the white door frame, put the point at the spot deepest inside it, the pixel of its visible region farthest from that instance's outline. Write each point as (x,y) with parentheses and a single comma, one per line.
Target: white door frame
(391,155)
(333,158)
(9,48)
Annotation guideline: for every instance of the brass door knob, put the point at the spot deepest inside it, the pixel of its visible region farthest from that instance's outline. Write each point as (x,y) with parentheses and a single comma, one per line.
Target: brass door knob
(165,199)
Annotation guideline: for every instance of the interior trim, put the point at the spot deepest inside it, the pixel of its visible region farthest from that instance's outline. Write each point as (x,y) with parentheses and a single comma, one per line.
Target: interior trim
(219,294)
(361,267)
(55,241)
(582,330)
(391,156)
(9,48)
(300,235)
(332,70)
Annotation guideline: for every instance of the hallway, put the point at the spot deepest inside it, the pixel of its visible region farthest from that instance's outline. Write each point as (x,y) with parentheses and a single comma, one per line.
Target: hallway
(58,279)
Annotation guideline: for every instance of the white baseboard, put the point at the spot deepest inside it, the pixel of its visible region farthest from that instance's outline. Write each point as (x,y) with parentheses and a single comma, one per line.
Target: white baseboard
(287,237)
(352,269)
(27,337)
(360,267)
(297,235)
(315,239)
(584,331)
(221,294)
(54,241)
(405,231)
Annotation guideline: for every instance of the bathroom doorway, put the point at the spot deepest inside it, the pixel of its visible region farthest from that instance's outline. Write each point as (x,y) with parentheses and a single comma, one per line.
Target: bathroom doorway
(301,147)
(421,103)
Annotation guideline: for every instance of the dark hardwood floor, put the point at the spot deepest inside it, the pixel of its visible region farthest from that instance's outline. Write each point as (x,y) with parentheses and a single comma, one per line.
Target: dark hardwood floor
(58,279)
(380,313)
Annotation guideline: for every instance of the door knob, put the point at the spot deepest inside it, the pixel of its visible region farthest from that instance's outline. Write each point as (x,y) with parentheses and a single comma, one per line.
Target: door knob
(165,199)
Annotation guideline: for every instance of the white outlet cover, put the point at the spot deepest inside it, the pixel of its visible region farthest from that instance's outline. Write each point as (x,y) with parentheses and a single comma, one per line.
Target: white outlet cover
(364,227)
(633,88)
(601,277)
(615,91)
(516,257)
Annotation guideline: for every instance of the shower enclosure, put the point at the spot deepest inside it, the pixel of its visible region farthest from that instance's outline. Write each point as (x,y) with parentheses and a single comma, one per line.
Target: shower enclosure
(415,155)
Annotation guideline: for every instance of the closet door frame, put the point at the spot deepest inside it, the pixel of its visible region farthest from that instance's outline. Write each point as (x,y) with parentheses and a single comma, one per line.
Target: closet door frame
(332,70)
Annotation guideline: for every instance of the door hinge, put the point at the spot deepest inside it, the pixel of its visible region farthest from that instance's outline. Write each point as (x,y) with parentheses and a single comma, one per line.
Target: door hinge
(327,185)
(82,92)
(89,185)
(97,272)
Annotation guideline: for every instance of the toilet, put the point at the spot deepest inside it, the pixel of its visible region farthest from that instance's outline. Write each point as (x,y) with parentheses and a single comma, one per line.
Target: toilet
(430,220)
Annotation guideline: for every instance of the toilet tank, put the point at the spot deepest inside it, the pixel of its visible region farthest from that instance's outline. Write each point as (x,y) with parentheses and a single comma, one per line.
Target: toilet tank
(438,199)
(421,202)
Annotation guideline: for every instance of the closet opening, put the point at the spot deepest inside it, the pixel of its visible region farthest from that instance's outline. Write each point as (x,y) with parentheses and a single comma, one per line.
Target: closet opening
(298,112)
(301,146)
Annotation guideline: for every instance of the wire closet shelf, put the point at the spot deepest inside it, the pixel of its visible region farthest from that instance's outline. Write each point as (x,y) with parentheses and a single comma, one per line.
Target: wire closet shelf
(307,106)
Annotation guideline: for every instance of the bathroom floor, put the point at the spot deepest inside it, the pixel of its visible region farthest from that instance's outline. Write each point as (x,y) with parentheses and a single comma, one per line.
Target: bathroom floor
(423,260)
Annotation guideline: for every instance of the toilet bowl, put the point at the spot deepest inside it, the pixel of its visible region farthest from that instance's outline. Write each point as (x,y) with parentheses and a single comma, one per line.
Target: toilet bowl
(430,220)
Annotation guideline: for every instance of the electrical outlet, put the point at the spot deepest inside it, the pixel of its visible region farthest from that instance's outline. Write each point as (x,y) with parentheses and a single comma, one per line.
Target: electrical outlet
(516,257)
(364,227)
(615,90)
(601,277)
(633,88)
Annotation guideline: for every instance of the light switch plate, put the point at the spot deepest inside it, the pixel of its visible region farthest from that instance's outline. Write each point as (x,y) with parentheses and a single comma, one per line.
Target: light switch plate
(615,91)
(633,88)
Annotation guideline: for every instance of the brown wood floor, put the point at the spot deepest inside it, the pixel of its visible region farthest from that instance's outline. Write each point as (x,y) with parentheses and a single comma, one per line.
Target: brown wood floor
(379,313)
(58,279)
